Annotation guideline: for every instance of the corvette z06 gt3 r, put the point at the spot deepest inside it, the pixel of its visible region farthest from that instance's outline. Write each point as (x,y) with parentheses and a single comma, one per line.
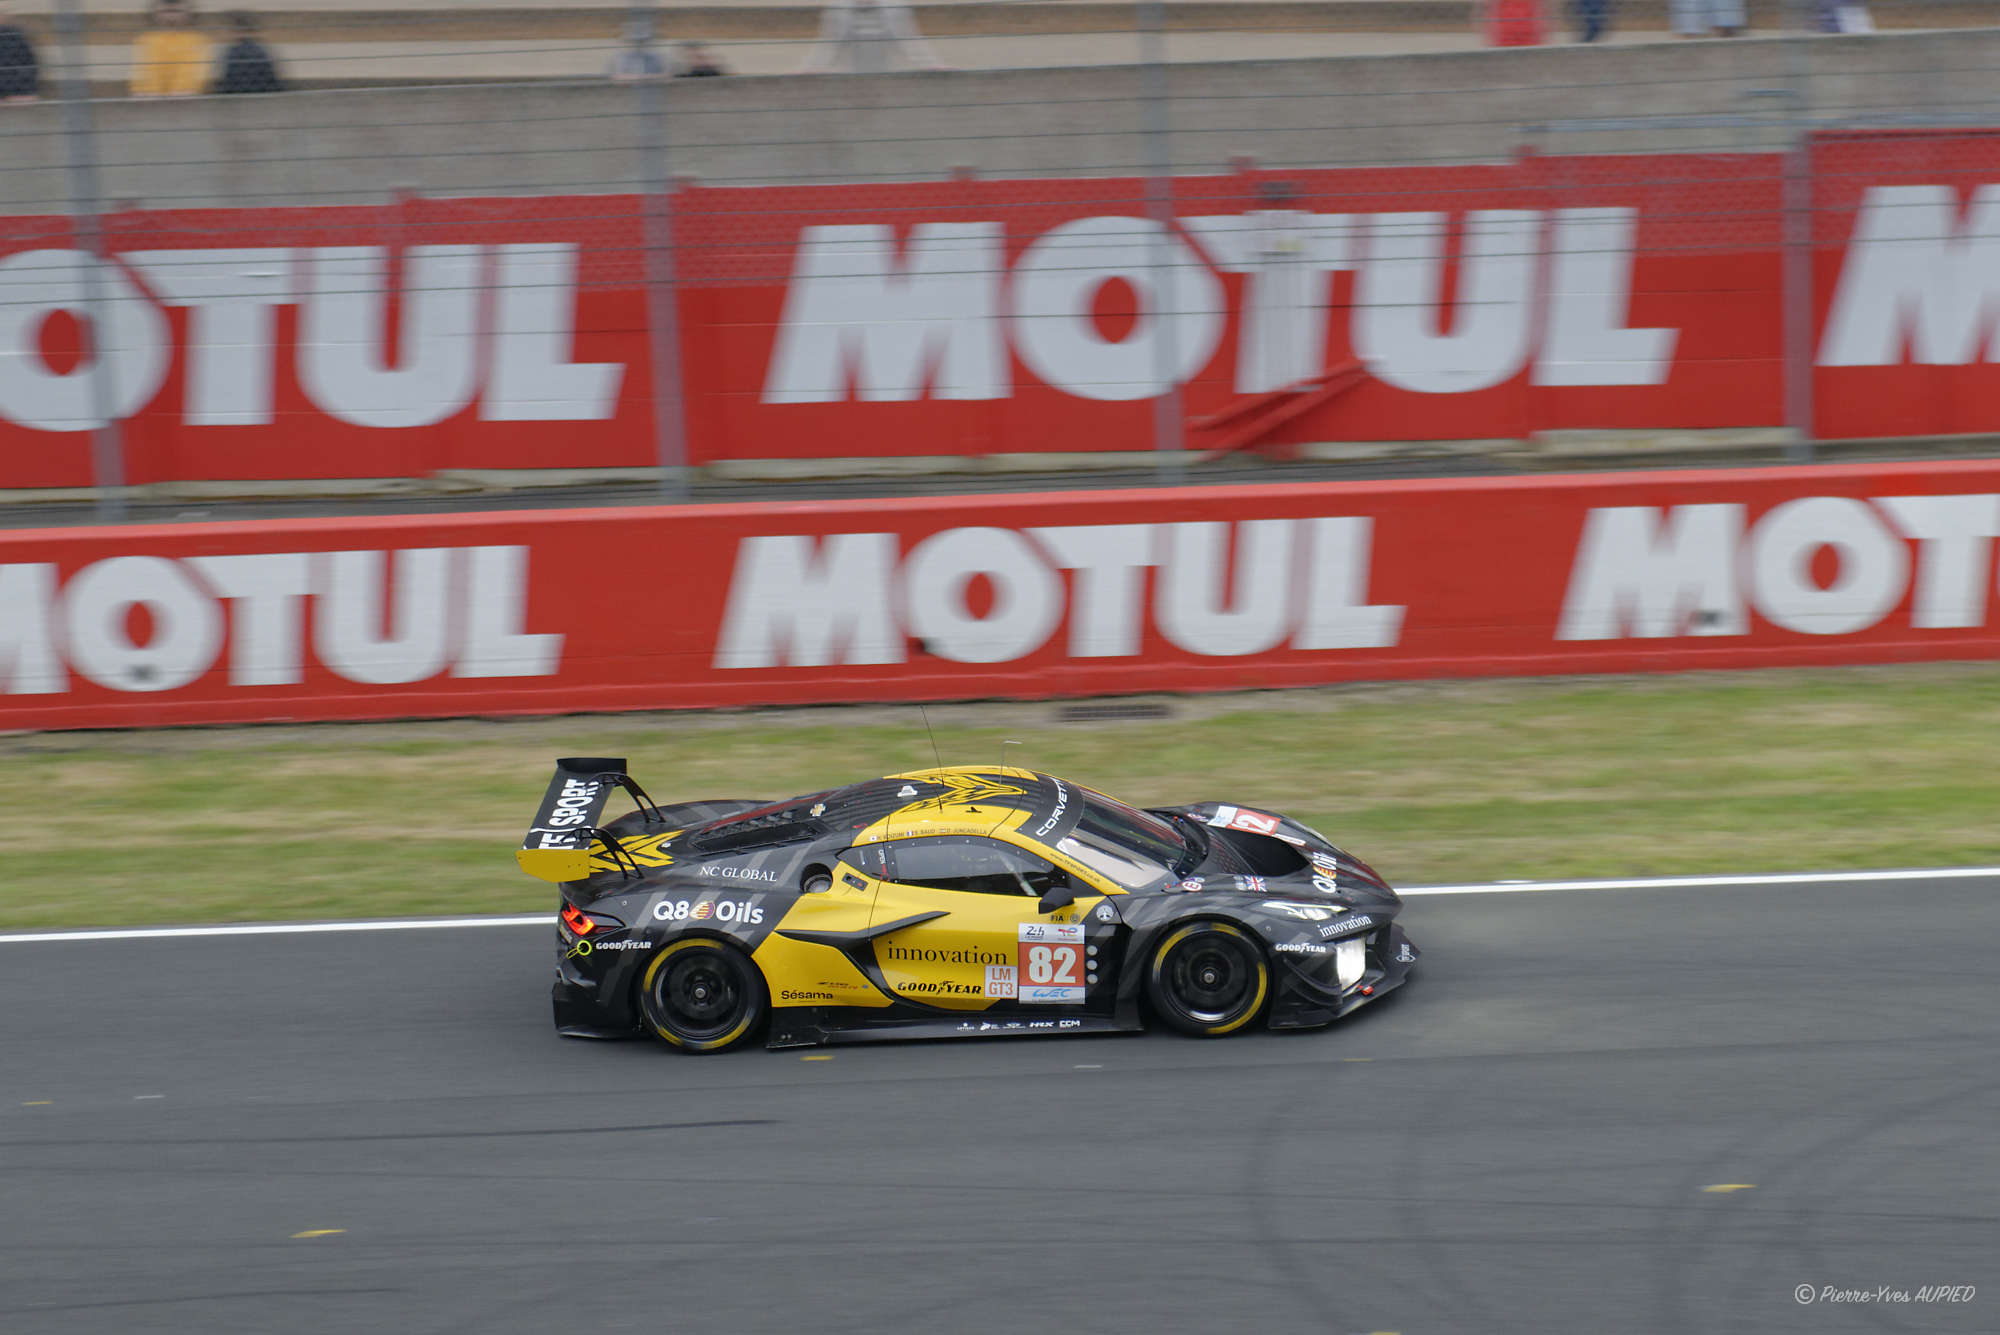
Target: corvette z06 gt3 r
(958,901)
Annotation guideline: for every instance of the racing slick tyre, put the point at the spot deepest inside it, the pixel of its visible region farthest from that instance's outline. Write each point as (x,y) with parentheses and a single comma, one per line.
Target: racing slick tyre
(702,995)
(1208,979)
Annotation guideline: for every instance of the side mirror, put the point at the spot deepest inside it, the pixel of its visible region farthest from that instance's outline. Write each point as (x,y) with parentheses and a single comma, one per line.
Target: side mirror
(1056,893)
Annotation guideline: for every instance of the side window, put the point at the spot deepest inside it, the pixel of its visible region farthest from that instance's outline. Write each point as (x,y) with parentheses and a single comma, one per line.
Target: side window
(869,858)
(970,863)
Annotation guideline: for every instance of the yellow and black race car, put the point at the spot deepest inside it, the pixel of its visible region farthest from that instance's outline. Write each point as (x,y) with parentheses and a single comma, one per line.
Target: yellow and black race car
(969,900)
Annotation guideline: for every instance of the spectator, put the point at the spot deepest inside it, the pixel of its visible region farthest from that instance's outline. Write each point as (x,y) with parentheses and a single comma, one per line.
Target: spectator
(1593,19)
(20,72)
(171,58)
(637,59)
(868,37)
(247,66)
(1708,18)
(1845,16)
(696,63)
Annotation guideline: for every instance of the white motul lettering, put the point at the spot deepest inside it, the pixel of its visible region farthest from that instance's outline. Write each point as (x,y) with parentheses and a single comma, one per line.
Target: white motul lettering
(1954,554)
(1915,278)
(1027,595)
(496,612)
(790,605)
(342,361)
(133,342)
(534,336)
(28,659)
(1337,612)
(1874,566)
(1110,562)
(1192,590)
(855,314)
(1056,281)
(348,615)
(234,296)
(1635,575)
(1396,325)
(1590,293)
(185,637)
(1289,257)
(266,592)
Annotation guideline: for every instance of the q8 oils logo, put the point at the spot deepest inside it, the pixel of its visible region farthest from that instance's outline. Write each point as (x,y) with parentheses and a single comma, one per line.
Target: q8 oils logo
(739,911)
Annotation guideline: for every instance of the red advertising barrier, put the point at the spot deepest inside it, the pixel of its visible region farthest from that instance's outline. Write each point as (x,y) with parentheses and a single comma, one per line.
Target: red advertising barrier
(1028,595)
(975,317)
(1907,281)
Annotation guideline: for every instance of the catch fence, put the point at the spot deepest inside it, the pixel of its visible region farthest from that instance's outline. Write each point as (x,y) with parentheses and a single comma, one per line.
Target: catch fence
(1167,252)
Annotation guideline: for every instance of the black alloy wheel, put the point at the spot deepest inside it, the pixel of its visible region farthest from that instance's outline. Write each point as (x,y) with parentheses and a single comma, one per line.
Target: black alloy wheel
(1208,979)
(702,995)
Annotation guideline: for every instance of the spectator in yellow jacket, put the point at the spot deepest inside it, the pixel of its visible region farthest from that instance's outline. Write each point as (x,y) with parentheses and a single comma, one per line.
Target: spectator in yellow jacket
(171,58)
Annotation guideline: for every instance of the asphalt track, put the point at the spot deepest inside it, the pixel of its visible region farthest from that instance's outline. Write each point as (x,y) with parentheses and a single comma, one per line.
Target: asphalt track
(1525,1139)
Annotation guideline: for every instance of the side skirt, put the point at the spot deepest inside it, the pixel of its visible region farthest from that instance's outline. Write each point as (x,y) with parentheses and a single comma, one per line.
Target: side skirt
(809,1026)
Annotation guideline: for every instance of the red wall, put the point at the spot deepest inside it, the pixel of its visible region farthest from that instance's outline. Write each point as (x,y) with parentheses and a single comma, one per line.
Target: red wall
(1030,595)
(1010,316)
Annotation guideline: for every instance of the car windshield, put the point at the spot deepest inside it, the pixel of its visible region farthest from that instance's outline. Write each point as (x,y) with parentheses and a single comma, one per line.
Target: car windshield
(1131,847)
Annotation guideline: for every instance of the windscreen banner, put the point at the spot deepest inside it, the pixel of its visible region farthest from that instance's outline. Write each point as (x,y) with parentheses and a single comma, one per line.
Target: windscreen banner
(1032,595)
(979,317)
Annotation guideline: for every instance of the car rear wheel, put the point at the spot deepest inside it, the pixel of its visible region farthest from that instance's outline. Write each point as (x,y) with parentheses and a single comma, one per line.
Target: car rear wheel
(702,995)
(1208,979)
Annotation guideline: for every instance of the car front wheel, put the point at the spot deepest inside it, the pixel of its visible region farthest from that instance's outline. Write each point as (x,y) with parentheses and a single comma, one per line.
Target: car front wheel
(702,995)
(1208,979)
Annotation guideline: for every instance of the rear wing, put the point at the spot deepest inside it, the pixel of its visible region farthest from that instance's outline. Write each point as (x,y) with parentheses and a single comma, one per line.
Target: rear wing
(559,843)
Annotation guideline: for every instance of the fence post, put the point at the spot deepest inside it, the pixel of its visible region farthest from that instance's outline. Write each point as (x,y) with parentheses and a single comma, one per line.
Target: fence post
(107,453)
(1169,418)
(662,296)
(1796,282)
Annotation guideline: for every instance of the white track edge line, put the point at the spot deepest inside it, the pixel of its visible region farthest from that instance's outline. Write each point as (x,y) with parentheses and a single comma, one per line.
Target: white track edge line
(279,928)
(544,919)
(1706,882)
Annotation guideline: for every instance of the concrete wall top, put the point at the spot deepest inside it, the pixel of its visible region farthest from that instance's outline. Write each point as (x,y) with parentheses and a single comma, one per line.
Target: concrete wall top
(363,146)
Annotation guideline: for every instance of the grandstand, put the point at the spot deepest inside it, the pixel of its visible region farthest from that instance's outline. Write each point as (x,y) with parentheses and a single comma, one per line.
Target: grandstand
(361,43)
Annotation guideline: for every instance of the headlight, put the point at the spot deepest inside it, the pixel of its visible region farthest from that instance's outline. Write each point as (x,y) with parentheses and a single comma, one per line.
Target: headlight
(1350,960)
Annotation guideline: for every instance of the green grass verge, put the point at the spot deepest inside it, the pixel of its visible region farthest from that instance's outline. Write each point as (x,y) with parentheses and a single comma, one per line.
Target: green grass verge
(1860,768)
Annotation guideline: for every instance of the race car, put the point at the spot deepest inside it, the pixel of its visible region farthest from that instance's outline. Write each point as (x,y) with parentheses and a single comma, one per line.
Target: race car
(956,901)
